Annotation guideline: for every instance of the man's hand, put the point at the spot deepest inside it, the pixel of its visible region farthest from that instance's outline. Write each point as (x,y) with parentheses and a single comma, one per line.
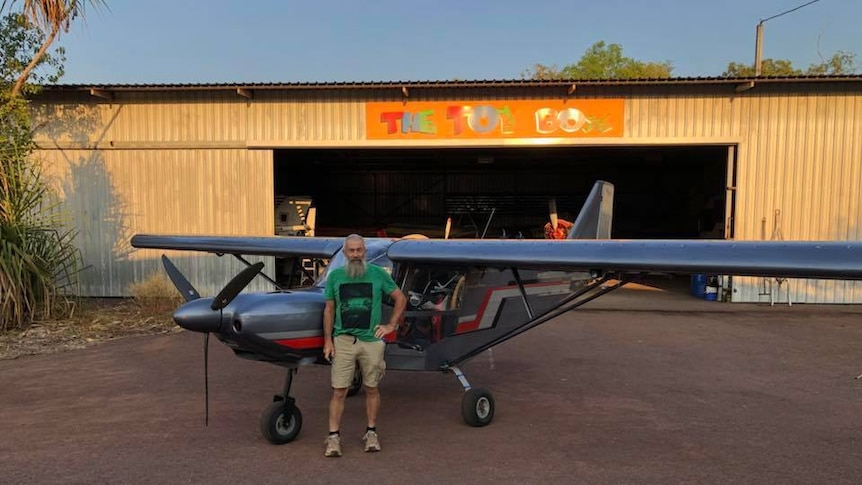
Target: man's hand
(328,350)
(381,330)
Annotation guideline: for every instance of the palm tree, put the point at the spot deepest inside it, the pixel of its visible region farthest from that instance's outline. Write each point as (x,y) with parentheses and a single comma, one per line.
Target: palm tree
(37,255)
(51,17)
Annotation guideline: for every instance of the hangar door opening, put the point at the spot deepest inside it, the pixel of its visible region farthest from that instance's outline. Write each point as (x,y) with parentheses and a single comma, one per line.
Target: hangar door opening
(660,192)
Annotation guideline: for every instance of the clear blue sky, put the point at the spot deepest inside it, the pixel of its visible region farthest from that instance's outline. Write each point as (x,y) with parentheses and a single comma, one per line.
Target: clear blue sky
(200,41)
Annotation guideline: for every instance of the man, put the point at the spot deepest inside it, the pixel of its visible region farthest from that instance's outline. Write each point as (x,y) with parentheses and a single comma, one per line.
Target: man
(353,333)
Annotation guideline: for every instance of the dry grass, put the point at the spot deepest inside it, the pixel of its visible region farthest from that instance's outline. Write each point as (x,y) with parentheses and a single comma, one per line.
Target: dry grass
(156,294)
(95,320)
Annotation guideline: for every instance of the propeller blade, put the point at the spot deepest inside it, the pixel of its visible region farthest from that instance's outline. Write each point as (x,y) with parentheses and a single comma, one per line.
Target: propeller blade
(180,282)
(310,219)
(234,286)
(448,228)
(552,208)
(206,377)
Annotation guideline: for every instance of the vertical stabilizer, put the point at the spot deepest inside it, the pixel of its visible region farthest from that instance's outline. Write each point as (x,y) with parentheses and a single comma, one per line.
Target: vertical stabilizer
(594,220)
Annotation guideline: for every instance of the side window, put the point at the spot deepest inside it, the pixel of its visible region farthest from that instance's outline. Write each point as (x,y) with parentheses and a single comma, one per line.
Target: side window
(431,288)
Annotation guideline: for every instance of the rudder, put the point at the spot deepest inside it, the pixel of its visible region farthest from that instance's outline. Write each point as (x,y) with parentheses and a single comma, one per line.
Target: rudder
(595,219)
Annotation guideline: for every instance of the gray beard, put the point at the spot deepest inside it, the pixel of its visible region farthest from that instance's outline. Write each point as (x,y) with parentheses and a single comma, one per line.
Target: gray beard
(356,269)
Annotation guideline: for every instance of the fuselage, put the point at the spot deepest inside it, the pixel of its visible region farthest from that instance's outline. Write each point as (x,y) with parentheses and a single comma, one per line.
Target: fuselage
(450,312)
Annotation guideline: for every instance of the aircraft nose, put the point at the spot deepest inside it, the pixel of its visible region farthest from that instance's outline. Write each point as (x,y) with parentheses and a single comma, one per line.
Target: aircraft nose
(197,316)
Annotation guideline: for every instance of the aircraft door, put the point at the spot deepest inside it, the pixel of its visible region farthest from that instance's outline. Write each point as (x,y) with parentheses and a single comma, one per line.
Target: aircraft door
(434,296)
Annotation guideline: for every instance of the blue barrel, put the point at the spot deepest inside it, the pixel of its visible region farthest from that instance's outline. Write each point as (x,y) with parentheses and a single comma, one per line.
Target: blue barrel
(711,293)
(698,285)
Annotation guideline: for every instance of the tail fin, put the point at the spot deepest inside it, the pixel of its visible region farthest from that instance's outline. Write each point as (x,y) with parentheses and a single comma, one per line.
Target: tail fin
(594,220)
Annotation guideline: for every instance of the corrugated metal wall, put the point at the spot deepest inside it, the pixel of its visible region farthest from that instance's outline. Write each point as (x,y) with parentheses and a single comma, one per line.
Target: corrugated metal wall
(114,194)
(178,160)
(799,167)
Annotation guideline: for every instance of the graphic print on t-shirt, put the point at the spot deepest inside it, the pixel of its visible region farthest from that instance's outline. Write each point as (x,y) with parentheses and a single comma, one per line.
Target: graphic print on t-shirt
(355,305)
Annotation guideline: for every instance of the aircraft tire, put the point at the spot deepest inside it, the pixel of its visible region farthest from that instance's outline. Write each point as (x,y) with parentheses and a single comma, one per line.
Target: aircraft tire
(273,426)
(356,385)
(477,407)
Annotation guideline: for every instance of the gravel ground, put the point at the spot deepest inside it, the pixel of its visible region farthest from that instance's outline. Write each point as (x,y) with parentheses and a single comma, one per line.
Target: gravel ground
(642,386)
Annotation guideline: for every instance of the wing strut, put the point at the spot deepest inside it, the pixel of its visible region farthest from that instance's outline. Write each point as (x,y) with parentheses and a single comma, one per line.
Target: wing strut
(262,274)
(523,293)
(585,295)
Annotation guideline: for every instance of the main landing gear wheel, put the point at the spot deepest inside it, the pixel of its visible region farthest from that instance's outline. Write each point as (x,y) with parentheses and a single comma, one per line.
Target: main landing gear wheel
(477,407)
(356,384)
(281,422)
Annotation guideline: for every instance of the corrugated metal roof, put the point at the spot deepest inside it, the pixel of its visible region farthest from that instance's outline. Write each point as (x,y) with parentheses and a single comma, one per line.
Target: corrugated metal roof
(460,83)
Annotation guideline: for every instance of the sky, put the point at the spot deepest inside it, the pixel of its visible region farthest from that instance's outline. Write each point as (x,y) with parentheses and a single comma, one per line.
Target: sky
(225,41)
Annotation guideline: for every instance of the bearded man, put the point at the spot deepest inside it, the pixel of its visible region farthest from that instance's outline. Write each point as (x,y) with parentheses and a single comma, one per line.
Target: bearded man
(353,334)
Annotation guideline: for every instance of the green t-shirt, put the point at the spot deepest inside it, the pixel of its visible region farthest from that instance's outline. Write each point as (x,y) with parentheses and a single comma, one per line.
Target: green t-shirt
(358,301)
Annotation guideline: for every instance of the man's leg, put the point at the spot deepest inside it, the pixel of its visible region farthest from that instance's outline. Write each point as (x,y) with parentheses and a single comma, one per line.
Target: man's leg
(373,368)
(372,405)
(343,364)
(336,409)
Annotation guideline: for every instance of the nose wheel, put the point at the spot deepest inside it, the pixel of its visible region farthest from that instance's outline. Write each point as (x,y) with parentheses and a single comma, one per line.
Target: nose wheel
(281,421)
(477,405)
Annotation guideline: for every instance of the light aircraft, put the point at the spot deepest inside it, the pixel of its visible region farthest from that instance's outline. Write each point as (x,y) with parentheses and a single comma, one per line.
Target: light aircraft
(465,296)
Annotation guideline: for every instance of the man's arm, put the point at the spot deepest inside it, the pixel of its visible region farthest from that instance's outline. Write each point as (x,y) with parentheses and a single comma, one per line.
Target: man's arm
(399,306)
(328,314)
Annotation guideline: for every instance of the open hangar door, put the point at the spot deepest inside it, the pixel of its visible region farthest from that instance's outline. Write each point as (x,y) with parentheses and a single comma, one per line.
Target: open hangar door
(659,191)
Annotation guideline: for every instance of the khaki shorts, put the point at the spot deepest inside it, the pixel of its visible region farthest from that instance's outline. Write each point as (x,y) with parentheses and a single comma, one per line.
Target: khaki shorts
(349,351)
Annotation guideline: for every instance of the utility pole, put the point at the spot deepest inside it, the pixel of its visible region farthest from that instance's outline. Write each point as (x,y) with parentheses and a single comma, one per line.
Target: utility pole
(758,40)
(758,49)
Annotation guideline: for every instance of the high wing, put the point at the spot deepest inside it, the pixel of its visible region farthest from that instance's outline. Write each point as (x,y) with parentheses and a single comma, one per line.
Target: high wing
(280,246)
(792,259)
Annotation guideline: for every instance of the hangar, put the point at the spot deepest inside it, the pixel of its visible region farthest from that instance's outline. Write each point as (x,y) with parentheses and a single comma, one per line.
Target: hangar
(752,158)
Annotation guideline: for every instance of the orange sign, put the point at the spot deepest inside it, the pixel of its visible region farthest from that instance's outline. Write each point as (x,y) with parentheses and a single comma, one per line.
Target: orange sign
(584,118)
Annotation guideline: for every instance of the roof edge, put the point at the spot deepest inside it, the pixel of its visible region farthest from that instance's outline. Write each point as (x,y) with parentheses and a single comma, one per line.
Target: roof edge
(456,84)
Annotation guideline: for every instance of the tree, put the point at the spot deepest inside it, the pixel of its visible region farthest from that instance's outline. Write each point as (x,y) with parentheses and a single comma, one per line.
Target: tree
(839,63)
(603,61)
(50,17)
(37,253)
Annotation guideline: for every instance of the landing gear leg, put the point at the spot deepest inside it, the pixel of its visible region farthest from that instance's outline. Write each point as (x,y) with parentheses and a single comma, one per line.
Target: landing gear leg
(477,405)
(281,421)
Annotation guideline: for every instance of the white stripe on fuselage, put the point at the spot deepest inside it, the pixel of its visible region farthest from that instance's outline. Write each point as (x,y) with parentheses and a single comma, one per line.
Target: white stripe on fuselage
(498,295)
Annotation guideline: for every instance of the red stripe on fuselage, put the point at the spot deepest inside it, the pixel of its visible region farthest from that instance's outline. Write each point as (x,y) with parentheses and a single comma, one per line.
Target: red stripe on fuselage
(302,343)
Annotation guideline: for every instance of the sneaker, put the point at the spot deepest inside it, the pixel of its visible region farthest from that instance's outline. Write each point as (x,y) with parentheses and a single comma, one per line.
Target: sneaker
(372,442)
(333,445)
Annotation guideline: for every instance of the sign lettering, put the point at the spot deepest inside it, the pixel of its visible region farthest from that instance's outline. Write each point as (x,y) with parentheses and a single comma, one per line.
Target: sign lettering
(497,119)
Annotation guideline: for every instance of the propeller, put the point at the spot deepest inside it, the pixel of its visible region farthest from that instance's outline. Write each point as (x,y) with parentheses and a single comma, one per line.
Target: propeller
(185,288)
(552,208)
(223,299)
(234,286)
